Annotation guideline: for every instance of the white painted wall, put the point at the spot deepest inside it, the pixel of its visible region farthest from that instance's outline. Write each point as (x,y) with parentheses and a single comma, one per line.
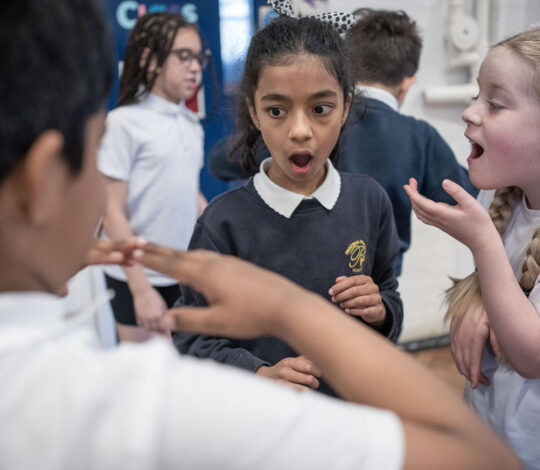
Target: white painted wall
(434,256)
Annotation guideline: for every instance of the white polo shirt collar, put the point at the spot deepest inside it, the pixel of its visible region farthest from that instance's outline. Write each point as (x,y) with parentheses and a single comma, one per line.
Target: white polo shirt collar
(285,202)
(378,94)
(163,106)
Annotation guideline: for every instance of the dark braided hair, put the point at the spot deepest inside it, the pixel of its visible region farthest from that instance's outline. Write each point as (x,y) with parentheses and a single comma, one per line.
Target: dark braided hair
(282,40)
(155,32)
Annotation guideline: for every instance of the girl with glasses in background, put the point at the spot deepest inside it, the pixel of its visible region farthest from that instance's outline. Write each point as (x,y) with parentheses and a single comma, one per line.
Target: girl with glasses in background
(151,155)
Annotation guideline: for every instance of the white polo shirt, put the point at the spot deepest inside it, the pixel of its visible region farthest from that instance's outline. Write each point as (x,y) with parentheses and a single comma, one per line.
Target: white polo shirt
(66,404)
(157,147)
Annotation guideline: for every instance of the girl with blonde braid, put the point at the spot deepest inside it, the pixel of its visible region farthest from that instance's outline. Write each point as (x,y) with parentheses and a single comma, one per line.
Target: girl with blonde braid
(500,301)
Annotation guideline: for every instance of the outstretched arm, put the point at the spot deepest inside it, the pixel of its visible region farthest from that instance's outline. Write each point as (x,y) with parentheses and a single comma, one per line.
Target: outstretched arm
(246,301)
(512,317)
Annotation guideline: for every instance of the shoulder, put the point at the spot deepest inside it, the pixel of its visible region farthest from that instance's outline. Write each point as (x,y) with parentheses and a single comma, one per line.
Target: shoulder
(360,183)
(364,192)
(126,116)
(232,204)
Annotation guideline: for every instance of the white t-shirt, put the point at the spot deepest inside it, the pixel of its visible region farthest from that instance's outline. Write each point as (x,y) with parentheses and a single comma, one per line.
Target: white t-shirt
(66,404)
(157,147)
(511,404)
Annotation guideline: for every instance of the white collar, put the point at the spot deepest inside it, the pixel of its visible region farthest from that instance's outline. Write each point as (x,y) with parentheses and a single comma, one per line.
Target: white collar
(378,94)
(163,106)
(33,317)
(285,202)
(32,309)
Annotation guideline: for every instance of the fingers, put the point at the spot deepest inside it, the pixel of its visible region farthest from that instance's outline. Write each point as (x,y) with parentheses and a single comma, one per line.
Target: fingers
(303,364)
(362,302)
(372,315)
(462,197)
(495,345)
(295,386)
(187,267)
(298,370)
(112,252)
(426,209)
(475,362)
(353,286)
(298,378)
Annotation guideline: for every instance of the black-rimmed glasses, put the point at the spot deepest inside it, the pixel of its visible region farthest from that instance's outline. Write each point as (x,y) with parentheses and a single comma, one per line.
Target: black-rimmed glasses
(186,57)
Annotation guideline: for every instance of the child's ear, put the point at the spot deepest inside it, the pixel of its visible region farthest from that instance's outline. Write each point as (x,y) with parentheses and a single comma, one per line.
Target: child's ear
(42,177)
(253,115)
(346,108)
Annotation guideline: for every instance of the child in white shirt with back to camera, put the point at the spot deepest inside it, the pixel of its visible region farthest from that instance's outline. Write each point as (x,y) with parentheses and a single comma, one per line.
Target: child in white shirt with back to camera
(501,300)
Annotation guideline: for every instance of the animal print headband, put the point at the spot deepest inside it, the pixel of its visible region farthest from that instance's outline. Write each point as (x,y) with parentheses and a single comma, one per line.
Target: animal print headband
(341,22)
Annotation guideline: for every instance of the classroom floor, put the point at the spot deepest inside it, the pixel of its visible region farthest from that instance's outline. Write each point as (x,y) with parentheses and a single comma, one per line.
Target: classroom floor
(439,361)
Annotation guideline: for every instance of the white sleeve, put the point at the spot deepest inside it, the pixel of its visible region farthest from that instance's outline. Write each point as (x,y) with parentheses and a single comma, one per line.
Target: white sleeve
(117,149)
(221,417)
(146,407)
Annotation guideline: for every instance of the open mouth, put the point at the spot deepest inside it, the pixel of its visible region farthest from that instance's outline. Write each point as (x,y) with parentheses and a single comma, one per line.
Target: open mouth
(300,162)
(476,150)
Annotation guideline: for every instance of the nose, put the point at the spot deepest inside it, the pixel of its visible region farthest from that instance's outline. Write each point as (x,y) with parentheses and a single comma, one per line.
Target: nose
(472,115)
(195,65)
(300,127)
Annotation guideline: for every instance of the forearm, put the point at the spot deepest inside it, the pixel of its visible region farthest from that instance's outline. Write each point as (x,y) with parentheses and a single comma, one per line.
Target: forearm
(512,317)
(365,368)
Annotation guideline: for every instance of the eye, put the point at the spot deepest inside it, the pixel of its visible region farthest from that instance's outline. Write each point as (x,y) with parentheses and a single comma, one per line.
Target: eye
(276,112)
(322,109)
(494,106)
(474,98)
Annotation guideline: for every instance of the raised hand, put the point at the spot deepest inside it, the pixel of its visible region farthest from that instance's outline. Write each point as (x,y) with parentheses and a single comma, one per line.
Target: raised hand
(467,221)
(233,289)
(113,252)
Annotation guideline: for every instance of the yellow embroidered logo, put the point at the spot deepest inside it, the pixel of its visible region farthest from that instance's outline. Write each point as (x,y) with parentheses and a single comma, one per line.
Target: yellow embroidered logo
(357,254)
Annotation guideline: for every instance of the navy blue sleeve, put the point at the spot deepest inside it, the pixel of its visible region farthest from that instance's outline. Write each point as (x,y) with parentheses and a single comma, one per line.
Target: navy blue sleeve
(222,167)
(441,164)
(222,350)
(383,271)
(219,163)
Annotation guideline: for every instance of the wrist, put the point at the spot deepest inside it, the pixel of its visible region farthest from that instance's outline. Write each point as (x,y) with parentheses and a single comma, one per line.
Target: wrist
(262,371)
(490,248)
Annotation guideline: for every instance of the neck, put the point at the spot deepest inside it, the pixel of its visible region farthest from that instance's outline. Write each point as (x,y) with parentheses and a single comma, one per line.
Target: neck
(533,199)
(380,86)
(305,188)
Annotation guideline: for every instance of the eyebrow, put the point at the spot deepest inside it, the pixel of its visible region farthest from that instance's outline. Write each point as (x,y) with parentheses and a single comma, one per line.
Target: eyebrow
(318,95)
(495,85)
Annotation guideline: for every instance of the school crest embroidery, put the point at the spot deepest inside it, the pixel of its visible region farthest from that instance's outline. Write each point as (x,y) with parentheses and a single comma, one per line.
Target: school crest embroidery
(357,254)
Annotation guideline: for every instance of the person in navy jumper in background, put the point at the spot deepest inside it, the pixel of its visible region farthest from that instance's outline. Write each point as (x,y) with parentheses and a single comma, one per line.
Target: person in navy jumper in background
(332,233)
(384,50)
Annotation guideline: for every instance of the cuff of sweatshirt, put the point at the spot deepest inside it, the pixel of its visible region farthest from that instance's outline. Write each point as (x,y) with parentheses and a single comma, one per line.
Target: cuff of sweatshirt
(389,328)
(245,360)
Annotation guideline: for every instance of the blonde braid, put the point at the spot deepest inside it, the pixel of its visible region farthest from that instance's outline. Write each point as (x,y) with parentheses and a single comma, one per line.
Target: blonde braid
(531,267)
(466,292)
